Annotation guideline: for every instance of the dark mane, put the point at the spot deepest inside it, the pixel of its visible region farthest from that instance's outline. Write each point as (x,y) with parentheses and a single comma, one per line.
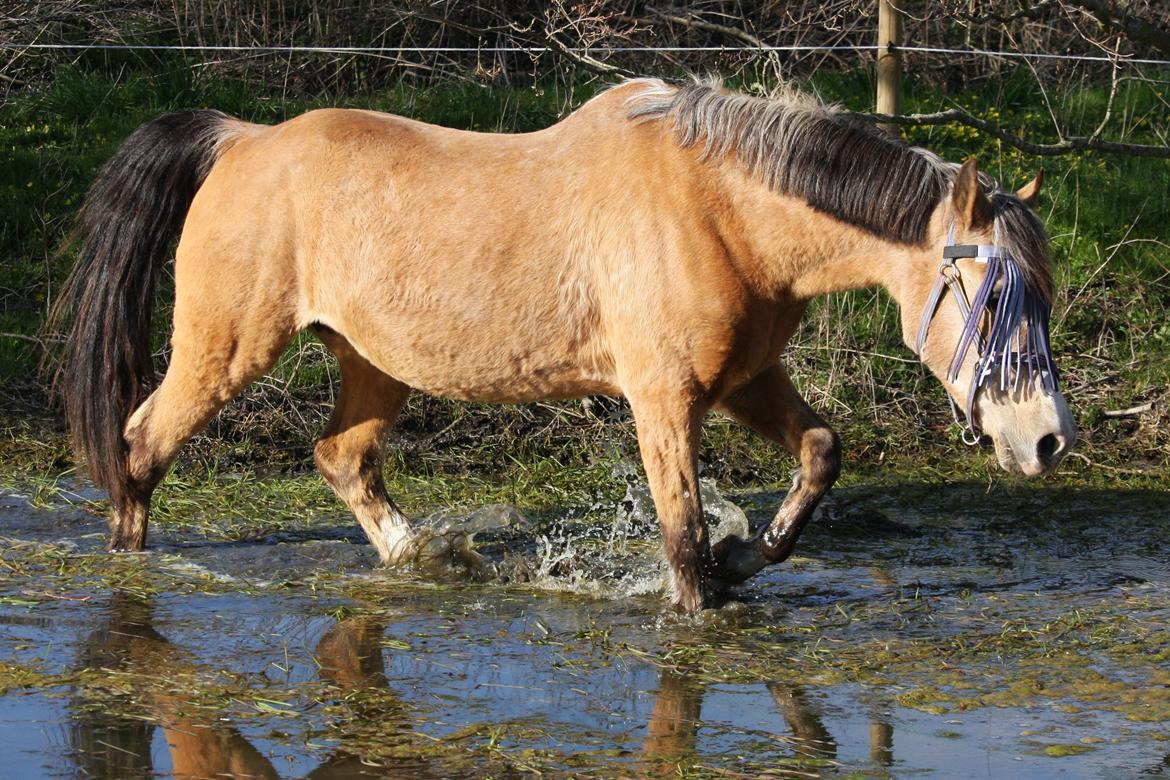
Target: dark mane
(801,147)
(838,164)
(1019,230)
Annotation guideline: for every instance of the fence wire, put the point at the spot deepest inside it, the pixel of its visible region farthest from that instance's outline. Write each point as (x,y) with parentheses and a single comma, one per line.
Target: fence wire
(388,50)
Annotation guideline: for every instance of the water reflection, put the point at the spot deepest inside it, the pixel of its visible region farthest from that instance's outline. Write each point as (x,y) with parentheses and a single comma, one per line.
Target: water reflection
(112,744)
(672,735)
(149,685)
(674,725)
(349,657)
(881,743)
(350,654)
(809,735)
(108,743)
(477,665)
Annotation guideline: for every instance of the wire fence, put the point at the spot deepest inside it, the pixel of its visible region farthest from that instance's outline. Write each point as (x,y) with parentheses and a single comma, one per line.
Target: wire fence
(389,50)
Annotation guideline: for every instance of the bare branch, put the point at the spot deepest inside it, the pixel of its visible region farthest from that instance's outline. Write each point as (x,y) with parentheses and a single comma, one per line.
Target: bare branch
(673,15)
(982,16)
(1068,145)
(587,24)
(40,342)
(1116,15)
(1113,82)
(1132,411)
(585,61)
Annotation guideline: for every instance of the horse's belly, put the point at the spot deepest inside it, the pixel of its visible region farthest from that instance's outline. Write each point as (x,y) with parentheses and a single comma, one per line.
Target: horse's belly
(457,315)
(477,367)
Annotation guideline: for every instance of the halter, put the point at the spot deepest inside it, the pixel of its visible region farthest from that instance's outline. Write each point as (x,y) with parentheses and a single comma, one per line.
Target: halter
(1005,353)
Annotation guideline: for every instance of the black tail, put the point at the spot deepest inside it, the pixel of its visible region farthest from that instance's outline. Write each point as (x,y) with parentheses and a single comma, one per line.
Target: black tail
(132,214)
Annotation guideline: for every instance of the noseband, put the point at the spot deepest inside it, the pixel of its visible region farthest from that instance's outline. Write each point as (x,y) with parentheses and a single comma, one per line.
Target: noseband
(1009,350)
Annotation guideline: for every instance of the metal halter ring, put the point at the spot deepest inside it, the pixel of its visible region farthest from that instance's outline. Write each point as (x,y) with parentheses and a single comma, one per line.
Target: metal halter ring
(950,277)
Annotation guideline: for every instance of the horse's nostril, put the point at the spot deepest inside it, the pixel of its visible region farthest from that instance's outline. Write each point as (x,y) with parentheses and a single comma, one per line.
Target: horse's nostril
(1047,448)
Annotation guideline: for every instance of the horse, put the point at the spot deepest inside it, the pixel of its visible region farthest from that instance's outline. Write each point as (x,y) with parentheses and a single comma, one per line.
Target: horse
(661,243)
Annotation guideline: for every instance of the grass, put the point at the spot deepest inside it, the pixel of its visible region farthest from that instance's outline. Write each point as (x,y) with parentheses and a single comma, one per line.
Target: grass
(1105,215)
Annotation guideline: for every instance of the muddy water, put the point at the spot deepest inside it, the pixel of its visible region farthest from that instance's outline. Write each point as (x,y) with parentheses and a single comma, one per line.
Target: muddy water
(920,630)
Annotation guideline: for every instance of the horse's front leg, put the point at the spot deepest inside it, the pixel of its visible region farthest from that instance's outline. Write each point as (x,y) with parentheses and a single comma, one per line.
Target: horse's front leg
(668,422)
(772,407)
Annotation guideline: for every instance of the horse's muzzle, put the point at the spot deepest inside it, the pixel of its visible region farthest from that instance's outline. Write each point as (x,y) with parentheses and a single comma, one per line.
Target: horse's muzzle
(1032,434)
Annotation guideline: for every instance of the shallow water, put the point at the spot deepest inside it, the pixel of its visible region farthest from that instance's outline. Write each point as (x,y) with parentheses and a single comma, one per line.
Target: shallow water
(925,630)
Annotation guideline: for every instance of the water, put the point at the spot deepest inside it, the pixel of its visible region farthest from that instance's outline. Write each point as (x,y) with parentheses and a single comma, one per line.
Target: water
(920,631)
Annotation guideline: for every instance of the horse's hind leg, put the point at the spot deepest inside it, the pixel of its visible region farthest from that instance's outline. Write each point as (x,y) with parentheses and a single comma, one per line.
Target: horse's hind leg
(349,454)
(214,356)
(771,406)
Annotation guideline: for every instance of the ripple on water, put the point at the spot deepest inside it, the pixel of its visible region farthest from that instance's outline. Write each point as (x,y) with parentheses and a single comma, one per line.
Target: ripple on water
(918,630)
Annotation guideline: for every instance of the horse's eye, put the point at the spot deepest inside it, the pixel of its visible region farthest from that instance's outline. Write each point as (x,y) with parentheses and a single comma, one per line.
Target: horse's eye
(993,298)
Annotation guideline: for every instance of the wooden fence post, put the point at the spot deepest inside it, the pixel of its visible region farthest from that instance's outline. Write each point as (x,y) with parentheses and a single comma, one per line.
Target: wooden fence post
(889,62)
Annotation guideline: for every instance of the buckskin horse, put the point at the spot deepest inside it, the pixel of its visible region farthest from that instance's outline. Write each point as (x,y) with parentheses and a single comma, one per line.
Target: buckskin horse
(661,243)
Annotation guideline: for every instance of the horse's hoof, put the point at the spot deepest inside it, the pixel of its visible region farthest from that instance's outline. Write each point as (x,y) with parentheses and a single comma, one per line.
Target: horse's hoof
(442,542)
(711,595)
(122,546)
(734,560)
(448,551)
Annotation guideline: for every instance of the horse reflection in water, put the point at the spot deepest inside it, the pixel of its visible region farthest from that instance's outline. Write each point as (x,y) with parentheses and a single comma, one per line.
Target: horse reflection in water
(670,747)
(204,744)
(114,746)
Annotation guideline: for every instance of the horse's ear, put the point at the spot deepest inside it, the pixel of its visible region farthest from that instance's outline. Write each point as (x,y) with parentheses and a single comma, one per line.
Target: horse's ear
(972,208)
(1030,192)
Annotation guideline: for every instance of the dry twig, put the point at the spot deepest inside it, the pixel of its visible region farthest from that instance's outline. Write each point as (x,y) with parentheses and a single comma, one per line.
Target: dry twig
(1067,145)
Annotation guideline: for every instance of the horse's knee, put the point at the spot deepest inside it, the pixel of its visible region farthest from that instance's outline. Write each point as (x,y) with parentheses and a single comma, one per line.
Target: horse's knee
(820,457)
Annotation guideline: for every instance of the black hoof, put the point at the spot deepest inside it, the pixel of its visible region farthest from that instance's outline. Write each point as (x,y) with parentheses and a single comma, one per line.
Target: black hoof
(735,560)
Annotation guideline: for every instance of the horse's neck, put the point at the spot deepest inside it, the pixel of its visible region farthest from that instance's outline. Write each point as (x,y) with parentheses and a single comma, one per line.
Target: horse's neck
(792,250)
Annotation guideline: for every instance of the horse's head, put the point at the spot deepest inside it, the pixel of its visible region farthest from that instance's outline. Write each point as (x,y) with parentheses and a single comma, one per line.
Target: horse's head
(975,308)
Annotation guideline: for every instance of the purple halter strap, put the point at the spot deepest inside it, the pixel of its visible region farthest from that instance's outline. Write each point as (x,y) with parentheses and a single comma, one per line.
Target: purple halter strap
(1006,353)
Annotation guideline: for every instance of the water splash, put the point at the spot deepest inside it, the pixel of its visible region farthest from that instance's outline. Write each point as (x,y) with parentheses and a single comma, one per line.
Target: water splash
(723,517)
(635,516)
(608,550)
